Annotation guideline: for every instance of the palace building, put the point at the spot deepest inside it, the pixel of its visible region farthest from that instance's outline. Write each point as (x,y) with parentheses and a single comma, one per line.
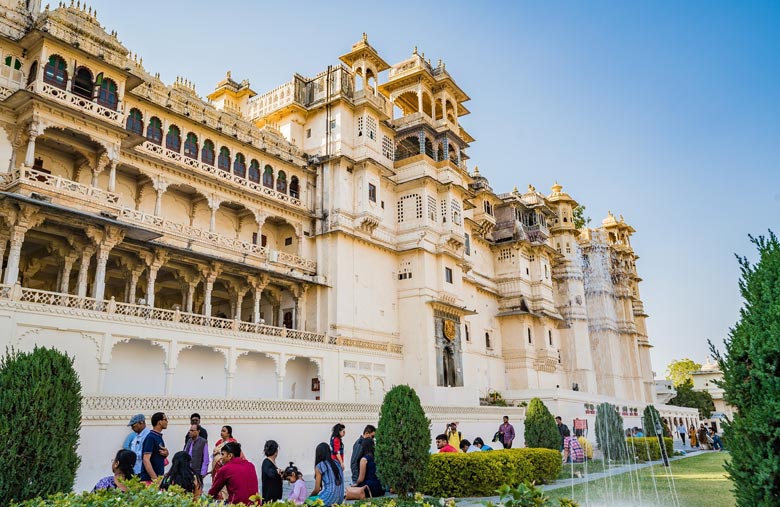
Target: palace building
(324,240)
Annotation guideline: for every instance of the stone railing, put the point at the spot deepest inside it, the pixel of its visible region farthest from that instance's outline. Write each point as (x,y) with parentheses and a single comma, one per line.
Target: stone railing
(160,317)
(169,155)
(41,180)
(376,99)
(75,101)
(248,248)
(536,233)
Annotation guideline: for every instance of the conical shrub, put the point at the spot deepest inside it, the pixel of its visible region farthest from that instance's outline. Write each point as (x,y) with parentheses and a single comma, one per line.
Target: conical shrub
(540,428)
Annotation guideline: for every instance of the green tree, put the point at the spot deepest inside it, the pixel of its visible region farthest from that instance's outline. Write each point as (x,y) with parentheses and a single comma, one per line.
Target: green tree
(403,441)
(680,370)
(751,380)
(540,427)
(610,436)
(687,397)
(580,220)
(40,418)
(650,416)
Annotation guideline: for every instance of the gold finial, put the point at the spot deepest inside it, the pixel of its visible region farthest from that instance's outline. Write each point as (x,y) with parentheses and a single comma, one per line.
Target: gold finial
(531,188)
(515,190)
(621,219)
(365,37)
(439,64)
(476,170)
(556,188)
(415,50)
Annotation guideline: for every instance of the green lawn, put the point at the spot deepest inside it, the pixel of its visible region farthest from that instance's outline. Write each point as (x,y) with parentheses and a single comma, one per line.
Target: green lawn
(698,481)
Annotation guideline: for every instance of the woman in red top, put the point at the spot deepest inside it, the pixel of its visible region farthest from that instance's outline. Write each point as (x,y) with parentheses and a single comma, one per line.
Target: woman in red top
(337,443)
(237,475)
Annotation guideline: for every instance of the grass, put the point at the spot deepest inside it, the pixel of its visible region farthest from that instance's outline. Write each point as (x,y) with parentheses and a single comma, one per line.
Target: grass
(698,480)
(570,470)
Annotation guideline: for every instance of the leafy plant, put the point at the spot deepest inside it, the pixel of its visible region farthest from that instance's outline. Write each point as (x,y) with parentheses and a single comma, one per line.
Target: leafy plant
(403,438)
(609,432)
(525,495)
(751,380)
(540,428)
(40,418)
(650,416)
(578,215)
(687,397)
(647,448)
(679,370)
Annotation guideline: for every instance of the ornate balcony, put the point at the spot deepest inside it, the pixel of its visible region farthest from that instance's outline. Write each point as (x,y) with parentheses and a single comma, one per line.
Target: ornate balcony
(25,180)
(536,233)
(76,102)
(256,252)
(171,156)
(10,81)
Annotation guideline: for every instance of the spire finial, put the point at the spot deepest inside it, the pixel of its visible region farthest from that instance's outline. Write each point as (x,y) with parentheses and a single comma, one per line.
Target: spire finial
(415,50)
(476,170)
(365,37)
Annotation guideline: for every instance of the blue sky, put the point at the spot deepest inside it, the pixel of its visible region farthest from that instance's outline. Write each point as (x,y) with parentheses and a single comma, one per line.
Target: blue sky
(665,112)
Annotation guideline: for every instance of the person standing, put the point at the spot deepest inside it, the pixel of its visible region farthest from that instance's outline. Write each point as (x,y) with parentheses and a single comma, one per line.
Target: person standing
(237,476)
(561,429)
(138,425)
(227,436)
(681,431)
(453,435)
(198,449)
(154,451)
(357,451)
(572,451)
(692,436)
(195,419)
(507,433)
(272,476)
(337,443)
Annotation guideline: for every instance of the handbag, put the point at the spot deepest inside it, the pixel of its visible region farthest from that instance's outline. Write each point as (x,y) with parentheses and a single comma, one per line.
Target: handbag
(356,492)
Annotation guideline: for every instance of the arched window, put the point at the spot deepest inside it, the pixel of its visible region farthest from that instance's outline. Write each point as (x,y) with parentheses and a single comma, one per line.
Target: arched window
(281,182)
(254,171)
(207,153)
(294,187)
(33,73)
(154,130)
(55,72)
(191,146)
(173,139)
(268,177)
(135,122)
(223,162)
(239,165)
(11,61)
(107,95)
(82,83)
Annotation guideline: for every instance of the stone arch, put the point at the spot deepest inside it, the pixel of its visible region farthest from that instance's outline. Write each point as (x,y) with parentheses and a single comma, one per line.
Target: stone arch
(429,150)
(363,389)
(407,146)
(200,371)
(179,201)
(299,373)
(451,111)
(280,235)
(407,102)
(427,103)
(255,376)
(378,390)
(136,366)
(348,389)
(235,220)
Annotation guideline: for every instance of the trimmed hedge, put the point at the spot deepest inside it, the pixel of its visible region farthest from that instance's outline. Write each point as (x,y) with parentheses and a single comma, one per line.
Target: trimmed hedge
(482,473)
(643,447)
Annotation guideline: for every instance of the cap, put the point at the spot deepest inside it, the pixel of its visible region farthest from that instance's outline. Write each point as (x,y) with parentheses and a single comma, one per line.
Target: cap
(136,419)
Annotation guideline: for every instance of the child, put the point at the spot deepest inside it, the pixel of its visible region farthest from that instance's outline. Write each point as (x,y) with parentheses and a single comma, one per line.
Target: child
(295,478)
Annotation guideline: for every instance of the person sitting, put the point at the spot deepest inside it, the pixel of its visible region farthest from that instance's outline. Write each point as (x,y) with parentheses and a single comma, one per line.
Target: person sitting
(465,445)
(717,443)
(443,445)
(181,475)
(237,474)
(481,445)
(298,485)
(587,447)
(122,469)
(572,452)
(368,477)
(328,477)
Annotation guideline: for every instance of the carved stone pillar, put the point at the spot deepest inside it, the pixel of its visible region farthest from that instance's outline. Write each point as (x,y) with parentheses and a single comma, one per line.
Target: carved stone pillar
(23,217)
(154,261)
(299,293)
(210,275)
(258,283)
(104,240)
(86,258)
(160,186)
(132,289)
(240,293)
(33,132)
(214,206)
(67,267)
(111,175)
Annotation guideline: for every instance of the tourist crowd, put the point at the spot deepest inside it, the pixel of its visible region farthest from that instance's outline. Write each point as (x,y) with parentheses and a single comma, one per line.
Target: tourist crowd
(234,478)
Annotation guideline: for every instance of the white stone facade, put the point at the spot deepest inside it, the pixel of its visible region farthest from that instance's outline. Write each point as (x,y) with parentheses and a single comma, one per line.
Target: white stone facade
(322,241)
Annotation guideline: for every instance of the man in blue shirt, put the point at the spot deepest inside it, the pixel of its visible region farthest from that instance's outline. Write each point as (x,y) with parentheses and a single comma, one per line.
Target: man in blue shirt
(154,451)
(138,425)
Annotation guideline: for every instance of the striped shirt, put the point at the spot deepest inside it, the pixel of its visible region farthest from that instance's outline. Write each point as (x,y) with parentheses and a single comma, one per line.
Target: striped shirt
(576,453)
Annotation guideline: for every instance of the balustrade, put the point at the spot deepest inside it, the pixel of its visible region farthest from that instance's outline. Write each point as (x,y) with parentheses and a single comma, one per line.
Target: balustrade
(75,101)
(166,154)
(28,176)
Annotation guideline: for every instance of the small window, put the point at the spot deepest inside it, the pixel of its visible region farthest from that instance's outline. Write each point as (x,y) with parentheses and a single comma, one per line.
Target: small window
(549,336)
(173,139)
(55,72)
(529,335)
(488,344)
(467,330)
(154,130)
(107,92)
(308,133)
(239,165)
(268,177)
(223,161)
(448,275)
(254,171)
(332,124)
(467,247)
(281,182)
(135,122)
(263,240)
(295,187)
(254,238)
(207,153)
(383,204)
(191,146)
(372,192)
(287,241)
